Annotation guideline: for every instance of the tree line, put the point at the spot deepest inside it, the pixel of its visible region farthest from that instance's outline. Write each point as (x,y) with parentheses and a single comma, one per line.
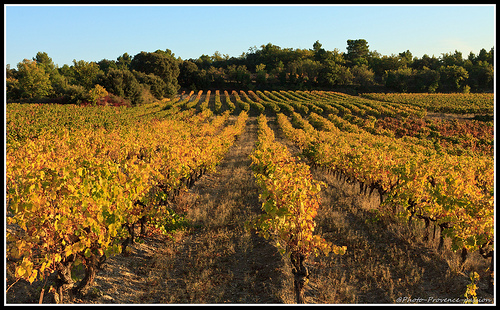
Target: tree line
(149,76)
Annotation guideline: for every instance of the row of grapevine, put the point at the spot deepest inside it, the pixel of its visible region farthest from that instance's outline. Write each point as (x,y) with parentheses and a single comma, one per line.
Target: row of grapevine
(282,102)
(300,103)
(230,104)
(268,103)
(364,107)
(445,103)
(73,196)
(358,114)
(204,104)
(191,103)
(290,203)
(454,192)
(183,101)
(255,105)
(455,137)
(240,103)
(218,102)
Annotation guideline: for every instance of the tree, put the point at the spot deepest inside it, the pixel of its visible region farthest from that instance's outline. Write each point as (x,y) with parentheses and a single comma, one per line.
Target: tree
(188,72)
(155,84)
(123,84)
(406,58)
(319,52)
(45,61)
(269,55)
(333,71)
(357,52)
(57,80)
(427,80)
(162,64)
(204,61)
(106,64)
(34,82)
(455,59)
(317,46)
(123,62)
(261,76)
(363,76)
(452,78)
(13,88)
(85,73)
(380,65)
(481,75)
(97,93)
(306,70)
(401,80)
(239,74)
(217,57)
(216,77)
(432,63)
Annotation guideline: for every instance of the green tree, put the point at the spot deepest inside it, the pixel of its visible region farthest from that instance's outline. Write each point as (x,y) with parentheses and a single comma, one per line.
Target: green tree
(57,80)
(217,57)
(123,61)
(481,76)
(159,63)
(106,64)
(13,88)
(239,74)
(334,72)
(188,72)
(363,76)
(432,63)
(75,94)
(261,77)
(123,83)
(357,52)
(406,58)
(453,78)
(97,93)
(306,70)
(155,84)
(427,80)
(400,80)
(85,73)
(216,77)
(455,59)
(483,55)
(204,61)
(269,55)
(34,82)
(380,65)
(45,61)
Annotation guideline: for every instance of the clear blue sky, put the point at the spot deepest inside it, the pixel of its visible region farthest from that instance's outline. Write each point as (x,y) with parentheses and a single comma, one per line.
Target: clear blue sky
(93,33)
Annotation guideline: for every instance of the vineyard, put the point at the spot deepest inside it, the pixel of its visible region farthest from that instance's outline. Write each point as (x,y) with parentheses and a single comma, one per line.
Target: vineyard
(252,197)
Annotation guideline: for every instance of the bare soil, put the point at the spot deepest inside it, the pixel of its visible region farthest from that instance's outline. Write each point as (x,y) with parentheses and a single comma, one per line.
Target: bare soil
(217,260)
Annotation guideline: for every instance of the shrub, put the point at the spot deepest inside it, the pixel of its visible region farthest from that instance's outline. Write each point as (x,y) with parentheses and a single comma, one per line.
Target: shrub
(96,93)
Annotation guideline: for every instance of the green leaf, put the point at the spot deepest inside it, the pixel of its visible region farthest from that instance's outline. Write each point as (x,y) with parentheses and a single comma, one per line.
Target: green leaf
(88,253)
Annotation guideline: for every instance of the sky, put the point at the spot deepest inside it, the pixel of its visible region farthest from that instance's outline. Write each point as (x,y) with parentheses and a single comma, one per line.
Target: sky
(93,33)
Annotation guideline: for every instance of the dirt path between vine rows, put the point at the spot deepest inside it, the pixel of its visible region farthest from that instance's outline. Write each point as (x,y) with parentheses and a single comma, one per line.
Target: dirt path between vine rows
(216,260)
